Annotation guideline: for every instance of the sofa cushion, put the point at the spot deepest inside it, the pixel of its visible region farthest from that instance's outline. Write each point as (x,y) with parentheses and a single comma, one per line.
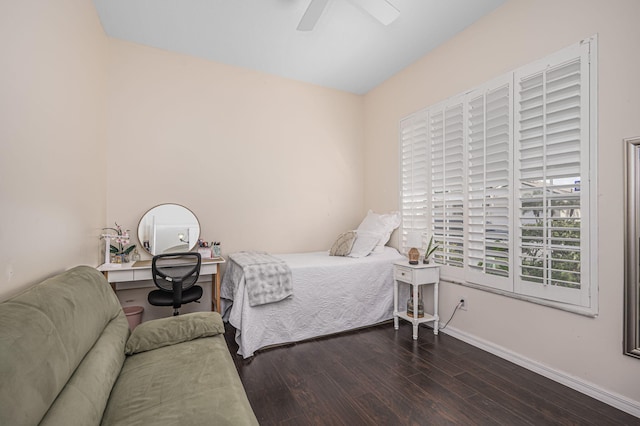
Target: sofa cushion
(45,333)
(169,331)
(191,383)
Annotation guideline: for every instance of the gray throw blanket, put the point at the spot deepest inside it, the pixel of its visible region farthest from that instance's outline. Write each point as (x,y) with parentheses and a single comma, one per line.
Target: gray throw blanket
(267,278)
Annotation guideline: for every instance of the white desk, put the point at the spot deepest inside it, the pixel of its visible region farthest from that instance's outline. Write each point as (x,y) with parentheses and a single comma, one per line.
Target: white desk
(125,273)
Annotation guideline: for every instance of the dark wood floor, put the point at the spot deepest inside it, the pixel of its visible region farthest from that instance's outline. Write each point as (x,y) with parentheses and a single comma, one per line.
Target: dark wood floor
(379,376)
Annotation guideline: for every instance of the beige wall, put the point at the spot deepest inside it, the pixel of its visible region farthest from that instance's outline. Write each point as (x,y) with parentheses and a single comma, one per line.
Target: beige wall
(516,34)
(52,163)
(264,162)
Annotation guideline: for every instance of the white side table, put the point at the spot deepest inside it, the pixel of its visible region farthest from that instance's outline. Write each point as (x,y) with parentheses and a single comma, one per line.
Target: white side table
(415,276)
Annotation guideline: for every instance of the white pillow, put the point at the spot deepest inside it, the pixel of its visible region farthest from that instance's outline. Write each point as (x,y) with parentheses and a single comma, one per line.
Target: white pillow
(364,244)
(381,224)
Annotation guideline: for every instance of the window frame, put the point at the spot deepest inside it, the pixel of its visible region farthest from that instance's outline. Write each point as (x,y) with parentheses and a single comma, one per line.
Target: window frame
(587,302)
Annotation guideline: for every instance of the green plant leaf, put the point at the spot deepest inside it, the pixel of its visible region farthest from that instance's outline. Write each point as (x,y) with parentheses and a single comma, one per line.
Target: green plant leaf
(430,248)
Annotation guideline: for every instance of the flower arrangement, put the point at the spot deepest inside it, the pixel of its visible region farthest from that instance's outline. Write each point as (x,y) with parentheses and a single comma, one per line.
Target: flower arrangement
(120,240)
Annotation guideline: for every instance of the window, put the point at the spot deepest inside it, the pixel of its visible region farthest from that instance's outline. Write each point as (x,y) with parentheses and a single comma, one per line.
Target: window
(501,177)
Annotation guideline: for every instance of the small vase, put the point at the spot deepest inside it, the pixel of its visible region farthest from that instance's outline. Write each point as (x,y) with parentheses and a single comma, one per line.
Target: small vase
(410,305)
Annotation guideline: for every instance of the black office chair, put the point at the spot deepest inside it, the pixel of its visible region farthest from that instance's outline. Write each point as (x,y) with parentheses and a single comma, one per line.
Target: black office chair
(175,275)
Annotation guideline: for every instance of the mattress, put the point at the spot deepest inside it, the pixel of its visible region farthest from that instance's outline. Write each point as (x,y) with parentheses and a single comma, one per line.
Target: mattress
(331,294)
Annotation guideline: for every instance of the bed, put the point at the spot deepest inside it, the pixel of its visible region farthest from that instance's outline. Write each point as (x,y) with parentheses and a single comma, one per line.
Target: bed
(331,294)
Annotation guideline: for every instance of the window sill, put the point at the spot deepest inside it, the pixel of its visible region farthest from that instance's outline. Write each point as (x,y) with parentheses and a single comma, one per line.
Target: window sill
(580,310)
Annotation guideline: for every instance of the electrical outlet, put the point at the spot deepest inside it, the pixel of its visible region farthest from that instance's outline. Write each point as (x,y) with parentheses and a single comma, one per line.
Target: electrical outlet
(463,303)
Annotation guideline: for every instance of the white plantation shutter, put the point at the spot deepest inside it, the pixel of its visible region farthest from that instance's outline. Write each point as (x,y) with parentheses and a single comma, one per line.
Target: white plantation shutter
(488,185)
(446,139)
(414,182)
(501,177)
(552,152)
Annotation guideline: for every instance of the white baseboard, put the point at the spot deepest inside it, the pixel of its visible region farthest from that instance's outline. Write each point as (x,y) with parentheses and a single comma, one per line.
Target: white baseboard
(615,400)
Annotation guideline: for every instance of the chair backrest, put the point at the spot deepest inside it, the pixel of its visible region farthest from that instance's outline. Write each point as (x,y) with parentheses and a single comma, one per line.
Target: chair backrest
(178,268)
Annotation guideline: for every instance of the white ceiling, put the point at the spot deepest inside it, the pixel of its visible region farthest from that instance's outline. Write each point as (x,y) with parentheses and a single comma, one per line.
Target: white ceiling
(348,49)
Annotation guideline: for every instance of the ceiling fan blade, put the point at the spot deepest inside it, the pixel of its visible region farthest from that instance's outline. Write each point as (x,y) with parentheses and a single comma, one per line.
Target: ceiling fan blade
(382,10)
(312,14)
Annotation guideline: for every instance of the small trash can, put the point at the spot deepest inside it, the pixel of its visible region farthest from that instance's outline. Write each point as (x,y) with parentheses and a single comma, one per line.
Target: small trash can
(134,315)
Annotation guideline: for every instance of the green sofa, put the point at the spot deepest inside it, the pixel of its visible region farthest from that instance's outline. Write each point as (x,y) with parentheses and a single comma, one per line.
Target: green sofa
(67,357)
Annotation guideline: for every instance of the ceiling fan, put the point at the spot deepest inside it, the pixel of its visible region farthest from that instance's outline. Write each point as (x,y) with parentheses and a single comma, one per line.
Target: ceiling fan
(381,10)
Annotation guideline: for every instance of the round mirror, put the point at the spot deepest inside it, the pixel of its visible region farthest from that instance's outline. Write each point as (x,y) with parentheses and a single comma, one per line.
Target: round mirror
(168,228)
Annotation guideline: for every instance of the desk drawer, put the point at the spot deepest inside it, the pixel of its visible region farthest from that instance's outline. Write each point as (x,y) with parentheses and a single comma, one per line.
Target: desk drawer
(404,274)
(142,274)
(115,276)
(416,275)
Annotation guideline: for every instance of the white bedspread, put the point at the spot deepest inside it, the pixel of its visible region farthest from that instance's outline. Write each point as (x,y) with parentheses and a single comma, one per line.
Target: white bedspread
(330,294)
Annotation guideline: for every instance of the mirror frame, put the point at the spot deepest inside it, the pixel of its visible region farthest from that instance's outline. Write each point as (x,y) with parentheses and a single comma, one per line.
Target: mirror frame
(632,248)
(192,244)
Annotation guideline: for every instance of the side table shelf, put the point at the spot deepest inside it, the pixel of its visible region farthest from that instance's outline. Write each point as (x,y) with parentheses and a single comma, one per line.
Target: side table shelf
(415,276)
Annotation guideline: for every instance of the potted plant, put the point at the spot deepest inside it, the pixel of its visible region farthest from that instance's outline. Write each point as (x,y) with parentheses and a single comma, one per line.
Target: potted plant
(431,248)
(119,250)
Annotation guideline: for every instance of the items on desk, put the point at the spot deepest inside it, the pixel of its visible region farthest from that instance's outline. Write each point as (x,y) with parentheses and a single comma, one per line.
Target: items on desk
(205,252)
(135,256)
(208,250)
